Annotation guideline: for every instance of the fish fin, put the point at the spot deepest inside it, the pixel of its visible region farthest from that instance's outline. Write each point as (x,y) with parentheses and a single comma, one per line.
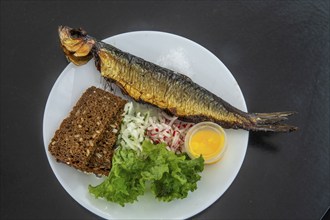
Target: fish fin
(275,128)
(274,117)
(271,122)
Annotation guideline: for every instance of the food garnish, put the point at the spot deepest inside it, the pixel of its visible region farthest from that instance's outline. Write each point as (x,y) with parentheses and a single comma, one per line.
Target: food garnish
(133,127)
(170,91)
(137,161)
(169,175)
(169,130)
(140,122)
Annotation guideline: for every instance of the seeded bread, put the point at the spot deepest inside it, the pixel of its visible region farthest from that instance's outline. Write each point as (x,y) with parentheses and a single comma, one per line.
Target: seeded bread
(86,132)
(100,161)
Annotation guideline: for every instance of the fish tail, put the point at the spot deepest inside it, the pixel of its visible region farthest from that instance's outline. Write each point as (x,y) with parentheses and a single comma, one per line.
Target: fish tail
(271,122)
(77,46)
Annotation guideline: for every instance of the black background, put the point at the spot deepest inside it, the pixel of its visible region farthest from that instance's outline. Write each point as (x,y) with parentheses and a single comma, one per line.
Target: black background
(278,51)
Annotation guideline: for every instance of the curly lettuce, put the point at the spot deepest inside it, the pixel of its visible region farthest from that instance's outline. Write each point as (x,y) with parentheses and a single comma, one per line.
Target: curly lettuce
(171,176)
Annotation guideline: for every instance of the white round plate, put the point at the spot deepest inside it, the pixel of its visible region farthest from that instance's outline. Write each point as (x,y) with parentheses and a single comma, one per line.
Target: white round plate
(178,54)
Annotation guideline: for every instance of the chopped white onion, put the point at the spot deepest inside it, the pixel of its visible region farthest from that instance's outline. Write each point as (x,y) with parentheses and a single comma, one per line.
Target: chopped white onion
(132,131)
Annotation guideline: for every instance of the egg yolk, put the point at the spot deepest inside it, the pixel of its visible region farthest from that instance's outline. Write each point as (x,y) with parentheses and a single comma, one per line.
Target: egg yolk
(207,142)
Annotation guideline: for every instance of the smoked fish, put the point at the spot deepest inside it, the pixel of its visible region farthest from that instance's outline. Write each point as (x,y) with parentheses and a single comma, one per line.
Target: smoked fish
(171,91)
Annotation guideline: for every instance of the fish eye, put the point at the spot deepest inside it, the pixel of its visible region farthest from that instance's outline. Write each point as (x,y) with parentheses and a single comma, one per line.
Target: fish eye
(77,32)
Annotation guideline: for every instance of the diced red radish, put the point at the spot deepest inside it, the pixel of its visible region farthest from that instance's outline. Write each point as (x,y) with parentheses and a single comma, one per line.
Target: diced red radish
(169,130)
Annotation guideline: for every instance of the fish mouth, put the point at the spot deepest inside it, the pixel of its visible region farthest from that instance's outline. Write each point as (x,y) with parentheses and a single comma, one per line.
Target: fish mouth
(76,44)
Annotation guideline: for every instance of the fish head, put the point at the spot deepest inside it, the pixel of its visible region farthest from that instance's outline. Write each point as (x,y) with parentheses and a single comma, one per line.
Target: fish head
(76,44)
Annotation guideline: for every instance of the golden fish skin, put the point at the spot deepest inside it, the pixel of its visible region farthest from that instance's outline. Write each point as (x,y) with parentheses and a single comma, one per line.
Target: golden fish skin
(171,91)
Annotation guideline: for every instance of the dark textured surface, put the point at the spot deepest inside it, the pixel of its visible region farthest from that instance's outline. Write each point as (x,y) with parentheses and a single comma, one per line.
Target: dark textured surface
(278,51)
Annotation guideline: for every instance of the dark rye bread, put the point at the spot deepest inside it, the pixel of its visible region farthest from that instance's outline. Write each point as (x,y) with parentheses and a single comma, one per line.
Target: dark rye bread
(100,161)
(83,131)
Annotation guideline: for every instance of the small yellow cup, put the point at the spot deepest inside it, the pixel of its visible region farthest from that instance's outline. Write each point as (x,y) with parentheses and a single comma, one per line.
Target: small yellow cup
(207,139)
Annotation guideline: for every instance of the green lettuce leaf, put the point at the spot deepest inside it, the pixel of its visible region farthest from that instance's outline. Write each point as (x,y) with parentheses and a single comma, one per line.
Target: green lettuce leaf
(170,176)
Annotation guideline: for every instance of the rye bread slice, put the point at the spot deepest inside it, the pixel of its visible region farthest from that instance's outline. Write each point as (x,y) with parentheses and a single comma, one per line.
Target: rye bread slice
(75,142)
(100,161)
